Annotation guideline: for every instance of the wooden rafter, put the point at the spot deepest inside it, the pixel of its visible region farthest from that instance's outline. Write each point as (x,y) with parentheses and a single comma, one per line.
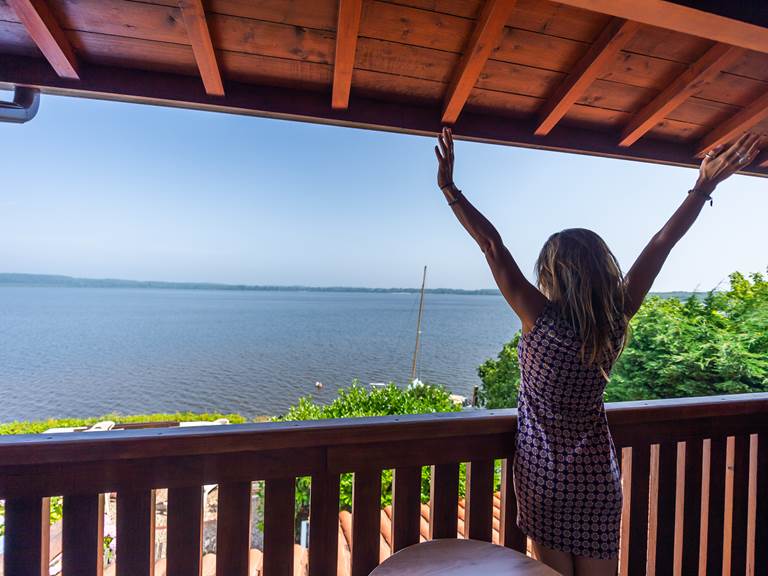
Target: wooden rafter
(602,53)
(674,16)
(159,88)
(42,26)
(735,126)
(689,83)
(347,29)
(485,38)
(193,13)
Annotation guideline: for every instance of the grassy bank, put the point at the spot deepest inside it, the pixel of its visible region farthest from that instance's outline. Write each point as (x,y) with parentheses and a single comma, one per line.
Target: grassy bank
(38,426)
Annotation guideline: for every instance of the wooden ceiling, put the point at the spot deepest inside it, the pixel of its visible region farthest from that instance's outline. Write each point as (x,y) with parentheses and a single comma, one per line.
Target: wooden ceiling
(652,80)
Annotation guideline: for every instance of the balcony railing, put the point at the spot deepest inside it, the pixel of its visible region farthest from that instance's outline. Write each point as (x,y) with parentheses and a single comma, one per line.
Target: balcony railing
(695,474)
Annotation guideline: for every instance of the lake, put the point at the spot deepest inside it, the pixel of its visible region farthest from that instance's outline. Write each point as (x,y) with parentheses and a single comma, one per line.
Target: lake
(72,352)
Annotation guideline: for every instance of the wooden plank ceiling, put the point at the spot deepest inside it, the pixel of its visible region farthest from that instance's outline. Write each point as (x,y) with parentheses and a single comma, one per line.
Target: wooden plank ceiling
(651,80)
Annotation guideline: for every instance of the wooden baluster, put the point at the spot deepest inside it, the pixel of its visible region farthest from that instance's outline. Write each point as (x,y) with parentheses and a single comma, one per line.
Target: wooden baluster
(444,501)
(324,525)
(510,535)
(406,507)
(638,514)
(716,514)
(740,502)
(478,510)
(366,521)
(692,507)
(233,529)
(665,508)
(83,535)
(761,508)
(185,531)
(135,533)
(27,530)
(279,523)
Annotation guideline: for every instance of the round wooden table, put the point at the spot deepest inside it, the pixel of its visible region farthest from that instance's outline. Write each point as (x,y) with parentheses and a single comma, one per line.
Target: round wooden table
(455,557)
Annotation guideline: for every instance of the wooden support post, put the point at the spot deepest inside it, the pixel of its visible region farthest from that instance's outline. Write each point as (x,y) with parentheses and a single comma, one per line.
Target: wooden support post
(233,529)
(478,511)
(83,535)
(324,524)
(406,507)
(279,517)
(136,533)
(27,533)
(185,530)
(444,501)
(366,521)
(510,535)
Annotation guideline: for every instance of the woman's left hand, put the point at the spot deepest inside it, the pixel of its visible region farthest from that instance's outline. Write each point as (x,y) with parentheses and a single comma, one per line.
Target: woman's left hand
(720,163)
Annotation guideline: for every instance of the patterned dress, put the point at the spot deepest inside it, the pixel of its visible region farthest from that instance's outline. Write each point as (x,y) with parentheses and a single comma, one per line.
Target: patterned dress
(565,471)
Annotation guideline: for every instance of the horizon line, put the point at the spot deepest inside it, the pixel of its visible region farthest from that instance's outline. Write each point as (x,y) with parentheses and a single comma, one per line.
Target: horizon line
(26,278)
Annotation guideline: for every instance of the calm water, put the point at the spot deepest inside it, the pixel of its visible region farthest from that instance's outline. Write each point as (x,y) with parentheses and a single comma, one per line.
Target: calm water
(90,351)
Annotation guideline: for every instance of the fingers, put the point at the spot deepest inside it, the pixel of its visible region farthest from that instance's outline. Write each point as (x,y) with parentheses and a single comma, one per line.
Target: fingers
(447,137)
(716,151)
(443,146)
(742,153)
(440,159)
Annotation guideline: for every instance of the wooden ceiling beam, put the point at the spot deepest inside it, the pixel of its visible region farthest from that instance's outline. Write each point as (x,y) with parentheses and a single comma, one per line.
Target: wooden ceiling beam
(193,13)
(601,54)
(42,26)
(673,16)
(735,126)
(486,36)
(347,29)
(159,88)
(689,83)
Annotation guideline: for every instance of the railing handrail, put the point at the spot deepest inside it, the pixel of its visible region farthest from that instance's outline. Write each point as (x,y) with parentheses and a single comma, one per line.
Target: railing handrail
(30,449)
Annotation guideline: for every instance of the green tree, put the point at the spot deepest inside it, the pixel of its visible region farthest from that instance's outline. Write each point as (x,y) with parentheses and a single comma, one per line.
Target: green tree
(500,377)
(706,346)
(359,401)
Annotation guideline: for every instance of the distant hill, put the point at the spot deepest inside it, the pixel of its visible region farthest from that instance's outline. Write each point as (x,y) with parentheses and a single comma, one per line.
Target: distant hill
(12,279)
(680,295)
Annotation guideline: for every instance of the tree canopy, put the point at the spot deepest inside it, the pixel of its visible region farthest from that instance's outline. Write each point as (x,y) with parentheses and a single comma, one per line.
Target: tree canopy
(702,346)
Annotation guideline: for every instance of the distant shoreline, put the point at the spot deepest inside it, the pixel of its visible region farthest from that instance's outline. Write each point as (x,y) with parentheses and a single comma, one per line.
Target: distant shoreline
(40,280)
(53,280)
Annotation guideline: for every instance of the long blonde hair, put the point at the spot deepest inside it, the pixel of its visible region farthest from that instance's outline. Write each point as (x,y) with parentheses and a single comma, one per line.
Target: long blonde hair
(579,274)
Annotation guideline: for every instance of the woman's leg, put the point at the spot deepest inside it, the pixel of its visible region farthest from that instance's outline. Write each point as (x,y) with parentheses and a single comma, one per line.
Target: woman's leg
(555,559)
(594,567)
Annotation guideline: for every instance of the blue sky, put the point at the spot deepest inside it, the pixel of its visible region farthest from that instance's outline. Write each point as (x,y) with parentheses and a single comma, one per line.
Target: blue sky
(103,189)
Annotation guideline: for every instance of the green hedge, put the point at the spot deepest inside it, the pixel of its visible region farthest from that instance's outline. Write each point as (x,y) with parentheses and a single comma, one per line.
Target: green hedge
(39,426)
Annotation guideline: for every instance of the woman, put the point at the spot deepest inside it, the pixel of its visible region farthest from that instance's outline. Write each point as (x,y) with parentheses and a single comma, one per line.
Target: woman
(574,326)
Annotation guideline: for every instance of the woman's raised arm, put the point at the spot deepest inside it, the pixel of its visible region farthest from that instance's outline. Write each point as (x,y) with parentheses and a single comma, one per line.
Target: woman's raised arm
(717,165)
(522,296)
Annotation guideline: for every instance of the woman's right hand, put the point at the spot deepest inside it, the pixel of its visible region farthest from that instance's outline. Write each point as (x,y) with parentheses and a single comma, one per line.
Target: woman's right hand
(720,163)
(444,153)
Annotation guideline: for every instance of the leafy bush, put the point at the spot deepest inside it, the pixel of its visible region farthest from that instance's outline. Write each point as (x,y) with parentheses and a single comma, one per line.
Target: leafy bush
(698,347)
(358,401)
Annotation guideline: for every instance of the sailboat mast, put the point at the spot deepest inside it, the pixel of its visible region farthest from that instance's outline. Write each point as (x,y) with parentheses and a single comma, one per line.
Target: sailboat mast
(418,326)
